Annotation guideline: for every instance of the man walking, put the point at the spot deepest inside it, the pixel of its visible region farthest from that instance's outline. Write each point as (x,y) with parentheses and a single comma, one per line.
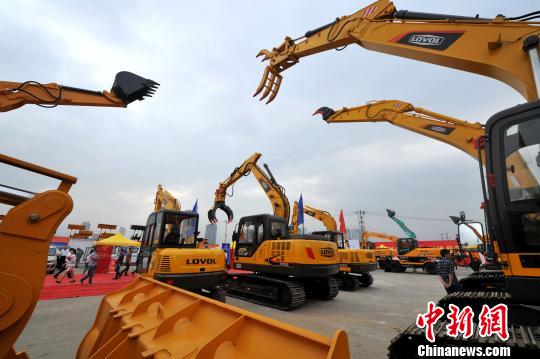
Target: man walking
(119,261)
(91,261)
(447,274)
(127,262)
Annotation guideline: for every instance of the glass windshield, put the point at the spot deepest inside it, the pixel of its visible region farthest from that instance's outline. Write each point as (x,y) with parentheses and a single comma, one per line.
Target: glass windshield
(277,229)
(52,252)
(179,230)
(522,156)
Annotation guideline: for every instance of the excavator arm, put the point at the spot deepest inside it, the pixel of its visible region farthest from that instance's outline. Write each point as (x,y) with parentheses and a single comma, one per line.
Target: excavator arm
(274,192)
(127,87)
(502,48)
(466,136)
(458,133)
(320,215)
(388,237)
(165,200)
(401,224)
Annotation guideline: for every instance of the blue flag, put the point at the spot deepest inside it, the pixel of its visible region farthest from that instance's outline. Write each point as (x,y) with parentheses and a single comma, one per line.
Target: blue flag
(196,206)
(300,210)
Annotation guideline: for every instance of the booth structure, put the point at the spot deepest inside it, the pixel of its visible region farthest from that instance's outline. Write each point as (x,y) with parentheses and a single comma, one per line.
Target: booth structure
(104,248)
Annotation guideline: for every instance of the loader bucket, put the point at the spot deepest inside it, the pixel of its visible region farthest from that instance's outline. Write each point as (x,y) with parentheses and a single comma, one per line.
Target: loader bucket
(129,87)
(150,319)
(26,231)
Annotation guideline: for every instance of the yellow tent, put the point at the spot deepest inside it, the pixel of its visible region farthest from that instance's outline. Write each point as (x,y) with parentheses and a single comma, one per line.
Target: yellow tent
(118,240)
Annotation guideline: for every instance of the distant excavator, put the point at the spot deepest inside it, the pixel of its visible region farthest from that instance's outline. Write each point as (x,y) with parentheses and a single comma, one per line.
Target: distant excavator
(284,269)
(355,265)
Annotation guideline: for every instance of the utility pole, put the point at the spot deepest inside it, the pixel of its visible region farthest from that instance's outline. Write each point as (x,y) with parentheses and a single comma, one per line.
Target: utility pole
(361,224)
(226,223)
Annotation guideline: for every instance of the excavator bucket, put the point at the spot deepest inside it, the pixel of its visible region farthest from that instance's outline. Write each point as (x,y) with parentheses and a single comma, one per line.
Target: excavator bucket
(326,112)
(150,319)
(220,205)
(130,87)
(26,231)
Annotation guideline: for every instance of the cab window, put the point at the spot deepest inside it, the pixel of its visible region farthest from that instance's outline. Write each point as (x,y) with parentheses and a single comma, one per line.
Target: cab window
(247,233)
(277,229)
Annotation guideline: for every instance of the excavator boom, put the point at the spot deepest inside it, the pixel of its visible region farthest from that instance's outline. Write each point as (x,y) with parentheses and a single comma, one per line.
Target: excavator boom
(323,216)
(458,133)
(165,200)
(127,87)
(274,192)
(466,136)
(401,224)
(502,48)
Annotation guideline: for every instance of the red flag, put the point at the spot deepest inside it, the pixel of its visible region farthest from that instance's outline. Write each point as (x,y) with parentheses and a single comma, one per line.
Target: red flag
(342,226)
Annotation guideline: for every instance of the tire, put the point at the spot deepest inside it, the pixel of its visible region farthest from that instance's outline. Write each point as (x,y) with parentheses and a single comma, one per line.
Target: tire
(349,282)
(397,267)
(366,280)
(430,268)
(218,294)
(382,264)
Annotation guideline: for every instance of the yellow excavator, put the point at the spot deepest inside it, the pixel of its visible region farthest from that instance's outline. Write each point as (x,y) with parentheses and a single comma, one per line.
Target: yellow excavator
(382,255)
(169,250)
(504,48)
(141,319)
(284,269)
(355,265)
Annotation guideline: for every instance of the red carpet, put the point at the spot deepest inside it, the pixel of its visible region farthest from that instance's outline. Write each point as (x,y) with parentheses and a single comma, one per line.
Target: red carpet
(103,284)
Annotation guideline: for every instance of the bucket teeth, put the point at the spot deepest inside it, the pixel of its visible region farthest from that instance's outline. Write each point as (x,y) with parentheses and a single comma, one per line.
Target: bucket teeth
(130,87)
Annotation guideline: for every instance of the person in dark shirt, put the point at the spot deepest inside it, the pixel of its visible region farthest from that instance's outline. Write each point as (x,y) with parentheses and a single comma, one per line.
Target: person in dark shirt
(447,274)
(119,261)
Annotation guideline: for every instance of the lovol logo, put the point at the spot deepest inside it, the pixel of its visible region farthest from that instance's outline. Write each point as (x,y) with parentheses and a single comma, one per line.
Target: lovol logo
(327,252)
(201,261)
(440,129)
(427,40)
(432,40)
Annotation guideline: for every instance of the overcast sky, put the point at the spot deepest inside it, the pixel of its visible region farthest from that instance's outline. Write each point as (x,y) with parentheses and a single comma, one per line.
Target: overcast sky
(203,121)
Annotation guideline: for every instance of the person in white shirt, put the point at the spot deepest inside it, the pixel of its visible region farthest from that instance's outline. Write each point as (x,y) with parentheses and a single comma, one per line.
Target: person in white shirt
(71,259)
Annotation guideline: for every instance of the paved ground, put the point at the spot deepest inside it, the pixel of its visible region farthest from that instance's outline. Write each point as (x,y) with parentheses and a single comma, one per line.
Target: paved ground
(371,316)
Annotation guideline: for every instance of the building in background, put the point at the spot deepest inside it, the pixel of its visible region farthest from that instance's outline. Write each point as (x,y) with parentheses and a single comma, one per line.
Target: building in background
(210,233)
(122,231)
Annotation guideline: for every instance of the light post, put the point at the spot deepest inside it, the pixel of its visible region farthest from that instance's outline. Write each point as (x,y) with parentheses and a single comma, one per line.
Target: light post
(226,224)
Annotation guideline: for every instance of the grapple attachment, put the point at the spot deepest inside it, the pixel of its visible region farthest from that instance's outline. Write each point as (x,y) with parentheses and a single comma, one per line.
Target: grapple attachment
(326,112)
(220,205)
(150,319)
(130,87)
(390,213)
(270,83)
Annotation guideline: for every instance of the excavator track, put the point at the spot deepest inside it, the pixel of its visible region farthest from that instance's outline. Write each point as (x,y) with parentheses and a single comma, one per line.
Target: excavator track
(483,281)
(475,299)
(326,288)
(268,291)
(523,340)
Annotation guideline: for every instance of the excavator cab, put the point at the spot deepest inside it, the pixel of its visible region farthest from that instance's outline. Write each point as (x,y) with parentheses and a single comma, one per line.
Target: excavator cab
(336,237)
(513,168)
(251,231)
(405,245)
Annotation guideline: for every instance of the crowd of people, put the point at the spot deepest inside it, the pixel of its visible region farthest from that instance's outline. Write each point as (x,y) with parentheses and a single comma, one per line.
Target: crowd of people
(67,259)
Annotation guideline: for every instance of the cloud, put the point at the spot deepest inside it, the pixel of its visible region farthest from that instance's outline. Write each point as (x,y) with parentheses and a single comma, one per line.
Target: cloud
(203,122)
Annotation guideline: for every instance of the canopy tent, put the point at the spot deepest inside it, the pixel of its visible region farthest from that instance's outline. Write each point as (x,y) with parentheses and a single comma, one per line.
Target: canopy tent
(118,240)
